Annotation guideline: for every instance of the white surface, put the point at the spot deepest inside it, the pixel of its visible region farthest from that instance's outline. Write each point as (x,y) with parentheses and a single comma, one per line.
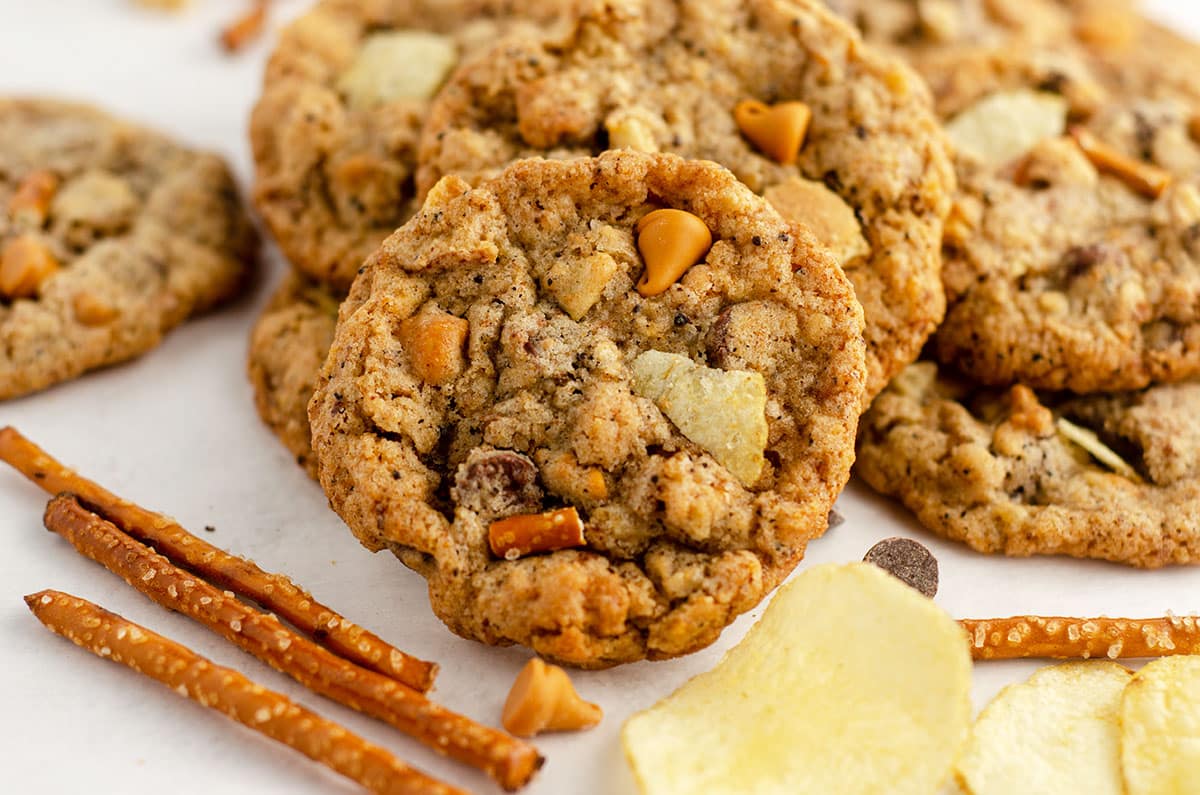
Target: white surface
(177,431)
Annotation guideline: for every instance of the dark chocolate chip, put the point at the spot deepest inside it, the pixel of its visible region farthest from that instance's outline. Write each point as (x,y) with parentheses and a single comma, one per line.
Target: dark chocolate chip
(835,519)
(908,561)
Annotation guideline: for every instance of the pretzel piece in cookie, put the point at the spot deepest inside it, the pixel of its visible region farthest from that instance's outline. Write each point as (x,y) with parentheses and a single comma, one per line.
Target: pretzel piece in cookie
(110,636)
(509,761)
(1031,637)
(273,591)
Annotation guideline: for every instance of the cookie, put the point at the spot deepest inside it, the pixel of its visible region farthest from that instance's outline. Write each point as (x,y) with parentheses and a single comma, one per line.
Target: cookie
(288,345)
(508,353)
(110,236)
(871,179)
(334,134)
(1076,264)
(1006,471)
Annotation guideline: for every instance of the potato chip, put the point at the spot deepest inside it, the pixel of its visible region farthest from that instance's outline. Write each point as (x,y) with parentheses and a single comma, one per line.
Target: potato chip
(1058,732)
(1160,728)
(851,683)
(1001,127)
(402,64)
(723,411)
(825,213)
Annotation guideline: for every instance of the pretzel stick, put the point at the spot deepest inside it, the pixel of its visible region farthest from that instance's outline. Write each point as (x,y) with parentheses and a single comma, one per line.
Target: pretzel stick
(244,29)
(273,591)
(273,714)
(509,761)
(1025,637)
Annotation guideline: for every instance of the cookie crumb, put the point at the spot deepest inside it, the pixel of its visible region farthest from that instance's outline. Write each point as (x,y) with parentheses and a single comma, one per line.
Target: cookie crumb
(209,528)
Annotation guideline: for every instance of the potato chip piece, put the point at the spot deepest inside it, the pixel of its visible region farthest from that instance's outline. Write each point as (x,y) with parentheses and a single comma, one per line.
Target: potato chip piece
(1057,732)
(401,64)
(1160,728)
(1097,449)
(723,411)
(577,283)
(825,213)
(1003,126)
(850,683)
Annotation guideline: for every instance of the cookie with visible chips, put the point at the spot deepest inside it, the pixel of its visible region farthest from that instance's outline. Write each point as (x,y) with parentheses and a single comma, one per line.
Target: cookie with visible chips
(1113,477)
(110,236)
(334,134)
(781,92)
(481,371)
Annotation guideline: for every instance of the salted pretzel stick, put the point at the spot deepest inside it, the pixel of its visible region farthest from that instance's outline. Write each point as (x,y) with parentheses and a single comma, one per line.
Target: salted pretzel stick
(110,636)
(273,591)
(244,29)
(1024,637)
(511,762)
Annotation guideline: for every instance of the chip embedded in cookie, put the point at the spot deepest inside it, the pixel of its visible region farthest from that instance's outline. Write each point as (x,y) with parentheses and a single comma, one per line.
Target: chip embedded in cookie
(498,369)
(839,137)
(1113,477)
(110,236)
(334,134)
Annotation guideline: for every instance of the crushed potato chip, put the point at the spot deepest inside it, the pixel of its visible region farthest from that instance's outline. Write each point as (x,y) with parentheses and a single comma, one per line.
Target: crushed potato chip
(1001,127)
(1090,442)
(402,64)
(577,284)
(850,683)
(1160,728)
(1057,732)
(825,213)
(723,411)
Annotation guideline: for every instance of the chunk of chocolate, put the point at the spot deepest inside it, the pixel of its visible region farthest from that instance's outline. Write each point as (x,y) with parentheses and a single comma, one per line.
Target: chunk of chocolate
(907,561)
(497,483)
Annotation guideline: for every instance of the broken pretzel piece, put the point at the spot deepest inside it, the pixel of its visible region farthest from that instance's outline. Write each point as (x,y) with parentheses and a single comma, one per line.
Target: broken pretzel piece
(1148,180)
(518,536)
(1031,637)
(509,761)
(273,591)
(272,714)
(544,700)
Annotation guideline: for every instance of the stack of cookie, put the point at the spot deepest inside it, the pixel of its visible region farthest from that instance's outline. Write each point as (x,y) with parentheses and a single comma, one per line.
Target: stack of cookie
(589,295)
(1057,414)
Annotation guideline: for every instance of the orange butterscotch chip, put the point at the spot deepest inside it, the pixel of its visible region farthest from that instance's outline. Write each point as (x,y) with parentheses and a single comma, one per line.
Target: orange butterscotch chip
(544,700)
(30,203)
(91,310)
(1148,180)
(671,242)
(25,263)
(777,130)
(434,341)
(522,535)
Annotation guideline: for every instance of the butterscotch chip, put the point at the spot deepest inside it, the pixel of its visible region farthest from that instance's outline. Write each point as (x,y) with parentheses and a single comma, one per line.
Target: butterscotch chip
(992,468)
(686,492)
(334,134)
(907,561)
(90,205)
(775,90)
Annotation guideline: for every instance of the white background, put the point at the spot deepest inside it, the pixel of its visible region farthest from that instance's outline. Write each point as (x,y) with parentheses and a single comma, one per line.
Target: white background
(176,430)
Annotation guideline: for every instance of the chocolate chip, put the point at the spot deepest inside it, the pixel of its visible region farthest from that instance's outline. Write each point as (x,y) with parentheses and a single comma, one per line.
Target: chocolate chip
(835,519)
(495,483)
(908,561)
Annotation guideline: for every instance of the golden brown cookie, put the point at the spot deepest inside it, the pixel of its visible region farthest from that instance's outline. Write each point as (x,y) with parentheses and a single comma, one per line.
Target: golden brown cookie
(334,134)
(506,354)
(110,236)
(1006,471)
(287,348)
(719,81)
